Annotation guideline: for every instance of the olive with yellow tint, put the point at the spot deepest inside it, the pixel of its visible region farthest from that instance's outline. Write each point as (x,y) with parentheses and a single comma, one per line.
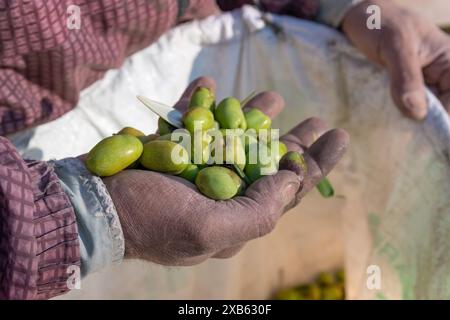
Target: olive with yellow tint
(260,162)
(232,147)
(219,183)
(165,156)
(294,161)
(250,141)
(313,291)
(282,148)
(332,292)
(114,154)
(290,294)
(326,278)
(203,97)
(200,147)
(198,118)
(131,131)
(190,173)
(229,114)
(340,276)
(255,171)
(256,119)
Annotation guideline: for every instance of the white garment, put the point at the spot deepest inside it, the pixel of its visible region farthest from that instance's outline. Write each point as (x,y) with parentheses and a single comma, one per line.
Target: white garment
(393,183)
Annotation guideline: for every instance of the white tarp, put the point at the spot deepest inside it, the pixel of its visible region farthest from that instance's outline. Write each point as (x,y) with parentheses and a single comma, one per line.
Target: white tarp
(393,205)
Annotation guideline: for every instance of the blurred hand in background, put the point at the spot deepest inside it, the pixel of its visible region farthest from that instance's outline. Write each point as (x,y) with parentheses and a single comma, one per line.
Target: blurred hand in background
(414,51)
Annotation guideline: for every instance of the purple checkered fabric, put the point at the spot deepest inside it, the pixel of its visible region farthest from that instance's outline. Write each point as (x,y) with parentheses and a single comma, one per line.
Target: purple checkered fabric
(43,67)
(38,231)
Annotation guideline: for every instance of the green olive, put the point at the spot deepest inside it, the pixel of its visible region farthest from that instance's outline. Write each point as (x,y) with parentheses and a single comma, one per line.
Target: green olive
(132,132)
(340,276)
(250,140)
(229,143)
(218,183)
(289,294)
(165,156)
(325,278)
(164,127)
(198,118)
(332,292)
(203,97)
(256,171)
(313,291)
(233,150)
(257,120)
(113,154)
(183,137)
(294,161)
(282,150)
(144,139)
(200,147)
(229,114)
(190,173)
(325,188)
(256,167)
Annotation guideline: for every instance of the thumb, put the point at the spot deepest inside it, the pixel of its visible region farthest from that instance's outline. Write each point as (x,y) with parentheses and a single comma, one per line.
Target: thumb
(407,82)
(275,194)
(257,212)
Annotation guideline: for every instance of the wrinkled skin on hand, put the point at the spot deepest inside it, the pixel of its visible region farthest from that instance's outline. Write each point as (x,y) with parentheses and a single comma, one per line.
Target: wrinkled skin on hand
(414,51)
(167,221)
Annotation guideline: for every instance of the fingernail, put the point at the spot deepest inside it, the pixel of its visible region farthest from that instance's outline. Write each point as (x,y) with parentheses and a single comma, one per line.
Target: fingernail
(416,104)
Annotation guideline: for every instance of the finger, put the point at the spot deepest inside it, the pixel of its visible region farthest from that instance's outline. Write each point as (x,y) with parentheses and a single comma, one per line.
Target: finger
(304,134)
(230,252)
(251,216)
(322,157)
(445,99)
(271,103)
(206,82)
(407,83)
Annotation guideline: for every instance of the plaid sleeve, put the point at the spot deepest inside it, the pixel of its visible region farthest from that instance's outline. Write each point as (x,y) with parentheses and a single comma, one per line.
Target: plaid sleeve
(38,231)
(47,58)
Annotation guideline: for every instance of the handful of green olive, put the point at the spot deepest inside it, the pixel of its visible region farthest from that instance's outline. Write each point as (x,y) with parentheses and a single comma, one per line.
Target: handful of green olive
(221,148)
